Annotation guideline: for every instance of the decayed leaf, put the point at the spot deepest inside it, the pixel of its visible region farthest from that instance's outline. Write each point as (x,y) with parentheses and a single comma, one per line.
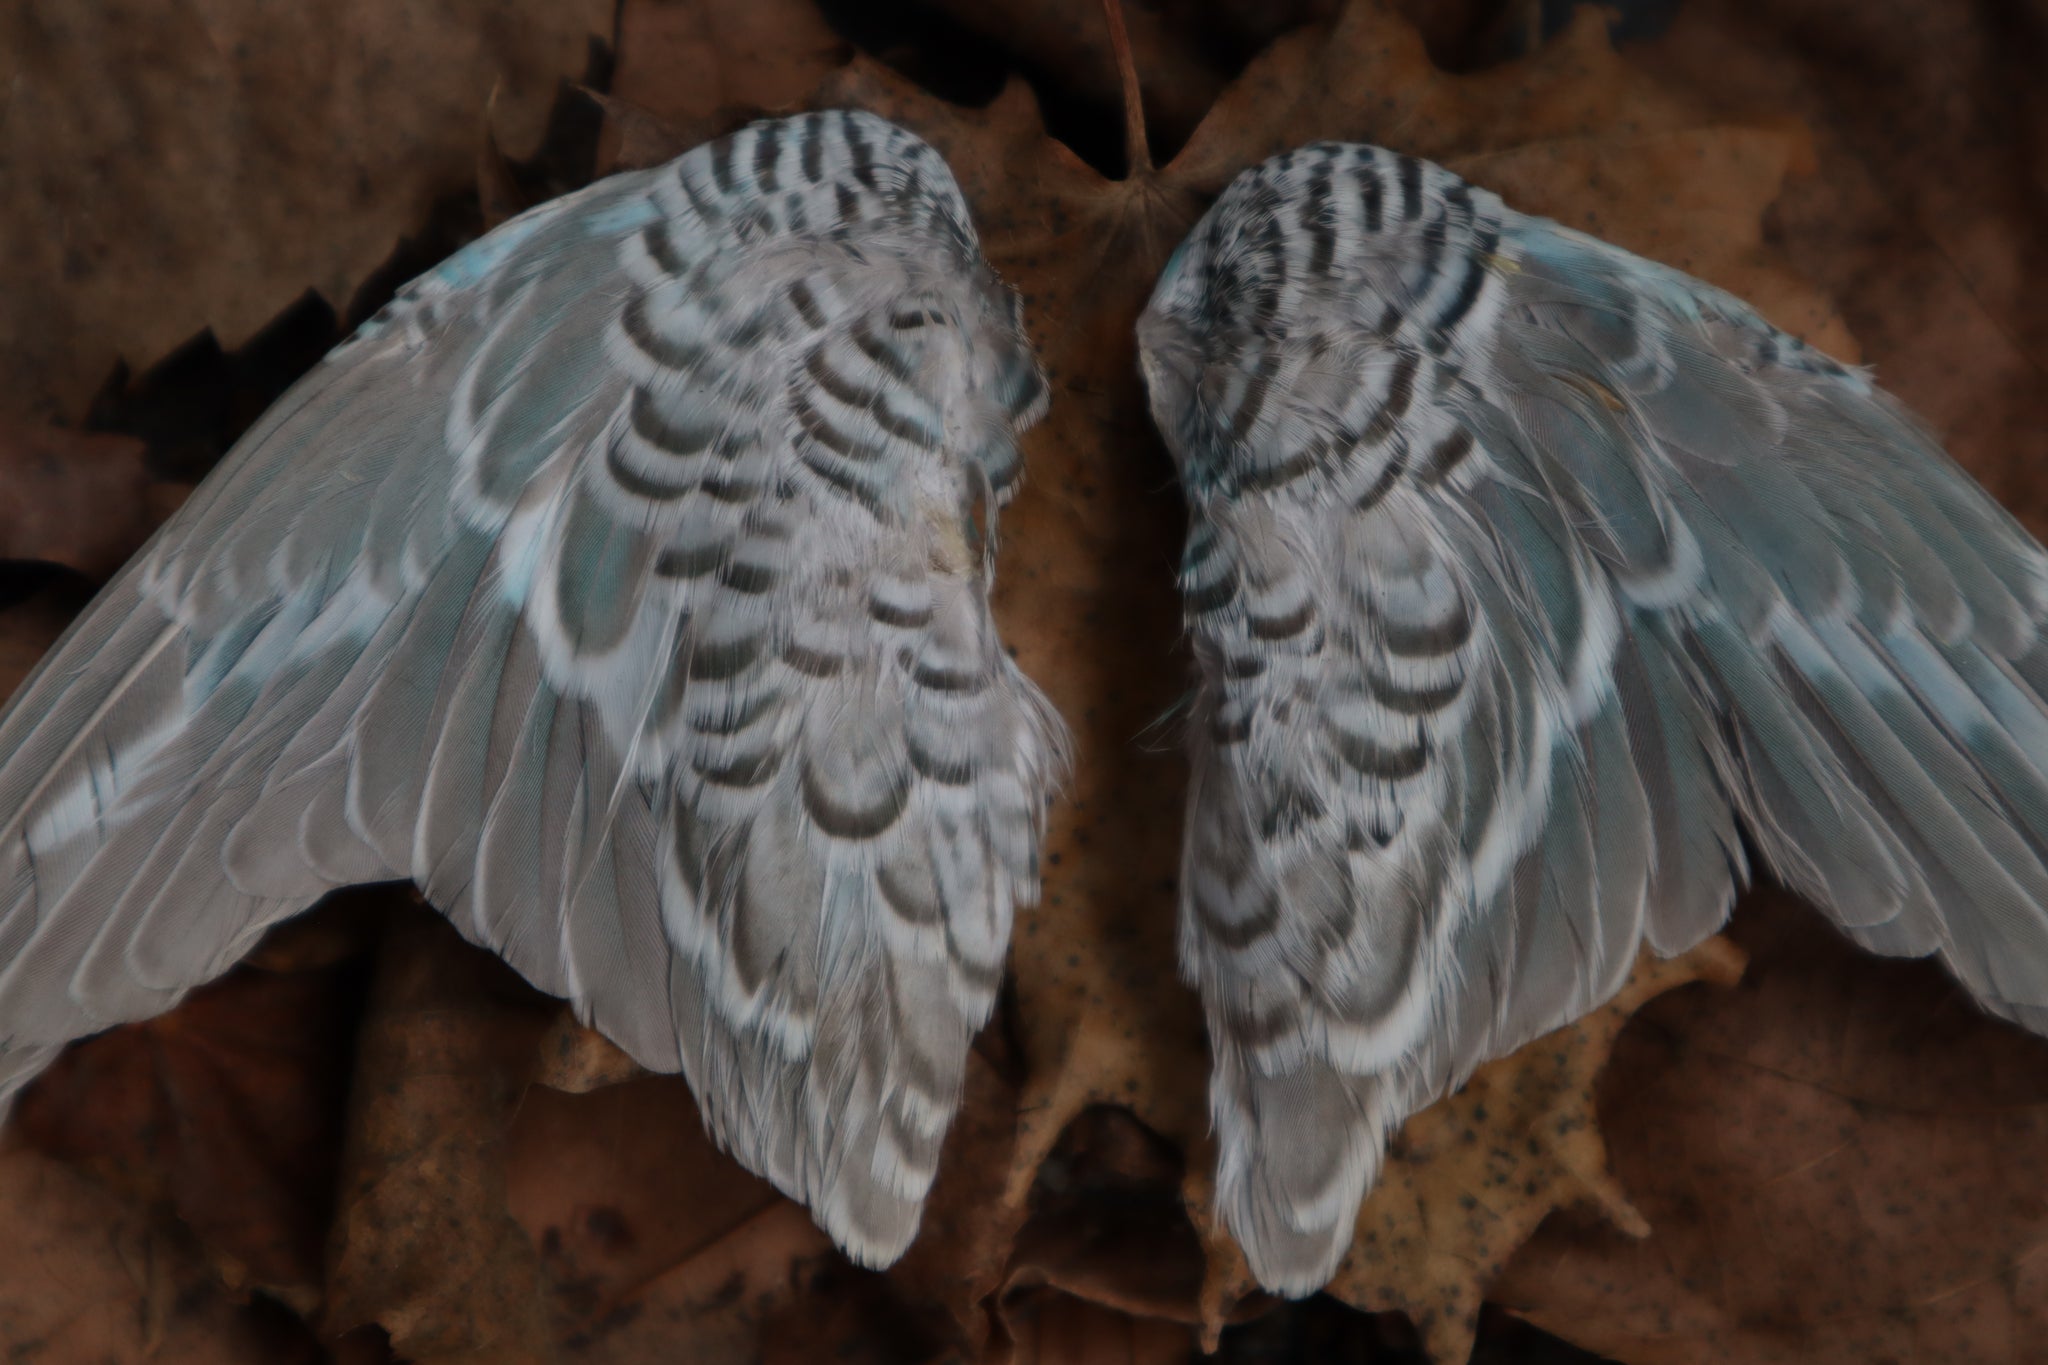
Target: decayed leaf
(422,1244)
(227,1110)
(28,628)
(656,1247)
(638,1219)
(86,1276)
(1107,1226)
(1925,217)
(578,1060)
(1840,1162)
(1472,1176)
(169,166)
(1185,51)
(688,70)
(1057,1329)
(78,498)
(1367,76)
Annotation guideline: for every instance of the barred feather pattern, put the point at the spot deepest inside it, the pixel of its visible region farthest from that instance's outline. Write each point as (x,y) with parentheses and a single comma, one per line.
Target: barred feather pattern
(625,585)
(1527,577)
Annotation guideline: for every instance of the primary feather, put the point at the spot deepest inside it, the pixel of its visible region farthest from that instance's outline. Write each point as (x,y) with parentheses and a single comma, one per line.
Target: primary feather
(620,584)
(1525,576)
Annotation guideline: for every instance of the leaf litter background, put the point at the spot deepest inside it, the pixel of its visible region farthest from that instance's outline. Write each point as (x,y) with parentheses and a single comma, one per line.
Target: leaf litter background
(373,1142)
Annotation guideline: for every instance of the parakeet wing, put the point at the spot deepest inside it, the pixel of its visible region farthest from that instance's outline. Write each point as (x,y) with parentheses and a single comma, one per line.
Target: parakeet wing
(1527,577)
(621,585)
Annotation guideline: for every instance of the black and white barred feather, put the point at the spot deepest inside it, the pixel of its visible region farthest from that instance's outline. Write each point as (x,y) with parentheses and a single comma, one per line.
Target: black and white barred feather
(1526,577)
(621,585)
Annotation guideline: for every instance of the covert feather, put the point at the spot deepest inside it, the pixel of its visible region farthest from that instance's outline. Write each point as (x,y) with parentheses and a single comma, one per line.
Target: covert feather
(1532,585)
(623,585)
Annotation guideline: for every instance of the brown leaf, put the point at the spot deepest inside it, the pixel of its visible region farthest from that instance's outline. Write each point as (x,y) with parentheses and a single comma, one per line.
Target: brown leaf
(1840,1162)
(1366,76)
(1058,1329)
(172,166)
(27,630)
(653,1245)
(227,1110)
(1108,1224)
(1925,218)
(341,926)
(697,68)
(422,1243)
(85,1276)
(628,1202)
(576,1059)
(1185,51)
(497,187)
(967,1236)
(1473,1175)
(78,498)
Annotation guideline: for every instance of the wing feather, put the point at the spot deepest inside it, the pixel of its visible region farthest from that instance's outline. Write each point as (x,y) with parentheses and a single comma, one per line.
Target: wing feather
(614,585)
(1707,583)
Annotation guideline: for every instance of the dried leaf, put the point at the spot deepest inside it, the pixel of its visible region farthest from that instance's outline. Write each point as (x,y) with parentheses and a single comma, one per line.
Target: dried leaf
(1840,1162)
(1185,51)
(1058,1329)
(78,498)
(576,1059)
(1108,1224)
(341,926)
(422,1244)
(227,1110)
(697,68)
(87,1276)
(1473,1175)
(1924,219)
(623,1194)
(172,166)
(968,1235)
(27,630)
(1366,76)
(497,188)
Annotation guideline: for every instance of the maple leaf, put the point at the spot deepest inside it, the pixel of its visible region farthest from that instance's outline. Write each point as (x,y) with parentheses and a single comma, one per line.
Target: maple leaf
(1084,598)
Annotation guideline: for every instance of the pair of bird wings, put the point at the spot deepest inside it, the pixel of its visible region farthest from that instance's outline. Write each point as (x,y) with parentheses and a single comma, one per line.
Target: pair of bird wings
(624,585)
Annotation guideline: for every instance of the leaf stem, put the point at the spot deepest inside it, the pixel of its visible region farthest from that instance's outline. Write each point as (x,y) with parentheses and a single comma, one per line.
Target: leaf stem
(1137,153)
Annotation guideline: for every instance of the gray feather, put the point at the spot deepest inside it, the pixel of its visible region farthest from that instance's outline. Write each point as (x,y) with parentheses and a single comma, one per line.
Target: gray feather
(613,584)
(1705,579)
